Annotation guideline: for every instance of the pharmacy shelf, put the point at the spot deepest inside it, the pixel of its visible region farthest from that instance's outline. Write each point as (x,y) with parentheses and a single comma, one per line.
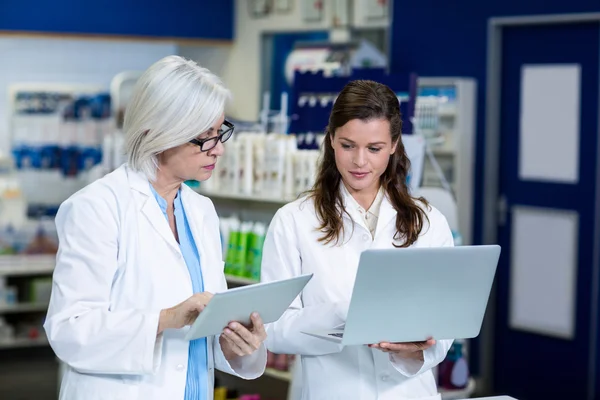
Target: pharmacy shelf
(459,393)
(281,375)
(239,280)
(447,110)
(18,343)
(22,308)
(244,198)
(27,265)
(443,152)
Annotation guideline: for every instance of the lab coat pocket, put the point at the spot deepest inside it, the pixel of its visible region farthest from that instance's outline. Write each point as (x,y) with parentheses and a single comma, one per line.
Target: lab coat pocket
(131,380)
(98,387)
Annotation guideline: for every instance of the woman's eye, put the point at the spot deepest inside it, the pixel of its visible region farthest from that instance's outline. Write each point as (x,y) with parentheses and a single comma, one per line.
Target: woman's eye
(206,136)
(346,146)
(374,149)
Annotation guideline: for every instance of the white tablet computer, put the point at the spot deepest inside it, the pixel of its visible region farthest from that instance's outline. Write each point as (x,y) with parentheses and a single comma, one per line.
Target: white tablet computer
(270,300)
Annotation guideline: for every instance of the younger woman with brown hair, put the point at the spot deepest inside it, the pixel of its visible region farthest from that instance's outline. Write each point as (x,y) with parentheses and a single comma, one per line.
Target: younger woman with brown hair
(360,201)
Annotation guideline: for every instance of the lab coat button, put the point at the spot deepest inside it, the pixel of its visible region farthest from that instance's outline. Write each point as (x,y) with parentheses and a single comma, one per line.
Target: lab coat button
(385,377)
(179,367)
(366,237)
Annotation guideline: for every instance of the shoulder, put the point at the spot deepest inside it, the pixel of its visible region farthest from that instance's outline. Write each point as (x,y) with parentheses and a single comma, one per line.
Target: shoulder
(435,225)
(108,190)
(99,202)
(302,208)
(298,216)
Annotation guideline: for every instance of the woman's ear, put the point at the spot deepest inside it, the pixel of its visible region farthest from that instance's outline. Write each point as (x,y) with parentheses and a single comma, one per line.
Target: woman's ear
(394,146)
(329,137)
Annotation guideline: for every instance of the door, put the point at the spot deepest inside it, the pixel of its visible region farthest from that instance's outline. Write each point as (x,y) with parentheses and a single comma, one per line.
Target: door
(548,132)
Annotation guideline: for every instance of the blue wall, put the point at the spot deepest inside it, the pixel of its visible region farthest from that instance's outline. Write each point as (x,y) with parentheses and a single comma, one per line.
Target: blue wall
(206,19)
(439,38)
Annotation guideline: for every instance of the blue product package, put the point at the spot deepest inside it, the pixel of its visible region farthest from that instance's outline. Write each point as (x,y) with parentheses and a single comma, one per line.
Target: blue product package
(70,161)
(50,156)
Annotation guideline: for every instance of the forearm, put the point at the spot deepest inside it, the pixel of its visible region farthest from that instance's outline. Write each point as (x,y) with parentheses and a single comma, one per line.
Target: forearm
(165,320)
(286,335)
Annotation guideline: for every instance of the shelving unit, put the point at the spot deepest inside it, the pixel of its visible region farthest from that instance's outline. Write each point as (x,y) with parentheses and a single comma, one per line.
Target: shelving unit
(244,198)
(26,265)
(19,343)
(19,268)
(285,376)
(453,143)
(22,308)
(239,280)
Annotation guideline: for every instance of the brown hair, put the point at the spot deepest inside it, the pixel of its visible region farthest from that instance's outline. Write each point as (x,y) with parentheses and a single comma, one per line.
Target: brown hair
(366,100)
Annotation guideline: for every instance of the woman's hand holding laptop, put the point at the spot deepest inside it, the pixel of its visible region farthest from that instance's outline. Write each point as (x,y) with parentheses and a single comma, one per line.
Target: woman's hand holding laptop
(412,350)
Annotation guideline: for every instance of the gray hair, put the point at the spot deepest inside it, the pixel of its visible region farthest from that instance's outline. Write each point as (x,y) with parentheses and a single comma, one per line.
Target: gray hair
(174,101)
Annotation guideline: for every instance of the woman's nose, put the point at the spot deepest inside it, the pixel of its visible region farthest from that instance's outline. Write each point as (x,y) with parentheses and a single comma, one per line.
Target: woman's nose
(218,150)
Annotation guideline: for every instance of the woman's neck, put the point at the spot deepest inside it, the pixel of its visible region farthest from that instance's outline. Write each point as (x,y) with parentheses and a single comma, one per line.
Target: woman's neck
(166,186)
(364,197)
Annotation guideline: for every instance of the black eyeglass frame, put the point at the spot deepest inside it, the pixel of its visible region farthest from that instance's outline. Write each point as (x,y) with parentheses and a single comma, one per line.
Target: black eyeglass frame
(223,137)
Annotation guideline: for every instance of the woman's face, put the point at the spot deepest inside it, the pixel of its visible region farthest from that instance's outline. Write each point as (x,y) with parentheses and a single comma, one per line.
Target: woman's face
(187,162)
(362,152)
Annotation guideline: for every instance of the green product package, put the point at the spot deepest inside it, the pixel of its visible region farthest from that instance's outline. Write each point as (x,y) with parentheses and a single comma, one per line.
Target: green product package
(255,246)
(239,262)
(251,254)
(234,236)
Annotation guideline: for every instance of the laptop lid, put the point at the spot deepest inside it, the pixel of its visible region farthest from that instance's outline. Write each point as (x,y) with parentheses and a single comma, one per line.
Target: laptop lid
(407,295)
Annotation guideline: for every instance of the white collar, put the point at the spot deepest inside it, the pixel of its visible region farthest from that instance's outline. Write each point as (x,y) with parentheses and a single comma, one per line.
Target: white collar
(349,200)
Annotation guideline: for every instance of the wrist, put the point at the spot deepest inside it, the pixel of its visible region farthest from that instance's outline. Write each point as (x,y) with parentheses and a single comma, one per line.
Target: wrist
(164,320)
(420,356)
(412,355)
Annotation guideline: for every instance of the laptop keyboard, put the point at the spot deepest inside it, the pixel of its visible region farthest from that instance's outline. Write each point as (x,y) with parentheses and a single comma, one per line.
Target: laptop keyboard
(338,335)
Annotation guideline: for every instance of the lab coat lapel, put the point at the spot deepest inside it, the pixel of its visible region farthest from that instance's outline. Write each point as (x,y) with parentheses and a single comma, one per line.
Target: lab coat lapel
(151,209)
(155,216)
(195,218)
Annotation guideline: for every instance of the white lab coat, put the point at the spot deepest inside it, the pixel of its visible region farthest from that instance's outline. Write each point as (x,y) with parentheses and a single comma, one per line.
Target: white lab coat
(117,266)
(331,371)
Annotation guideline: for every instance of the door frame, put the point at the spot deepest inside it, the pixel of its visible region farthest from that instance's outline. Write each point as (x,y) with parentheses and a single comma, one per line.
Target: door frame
(491,178)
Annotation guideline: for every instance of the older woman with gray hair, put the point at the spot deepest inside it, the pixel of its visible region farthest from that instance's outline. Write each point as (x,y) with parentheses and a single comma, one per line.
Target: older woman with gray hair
(140,254)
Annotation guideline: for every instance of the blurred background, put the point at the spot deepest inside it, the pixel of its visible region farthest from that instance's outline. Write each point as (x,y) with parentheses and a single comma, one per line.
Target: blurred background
(500,102)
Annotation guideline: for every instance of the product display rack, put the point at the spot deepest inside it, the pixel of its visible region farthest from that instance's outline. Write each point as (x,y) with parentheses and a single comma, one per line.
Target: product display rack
(21,268)
(451,140)
(25,352)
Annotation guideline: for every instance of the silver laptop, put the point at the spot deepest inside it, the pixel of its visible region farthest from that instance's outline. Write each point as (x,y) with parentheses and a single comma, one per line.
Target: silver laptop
(409,295)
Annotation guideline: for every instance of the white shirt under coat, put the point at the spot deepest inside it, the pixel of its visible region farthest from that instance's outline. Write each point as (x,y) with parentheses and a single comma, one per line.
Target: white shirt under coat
(331,371)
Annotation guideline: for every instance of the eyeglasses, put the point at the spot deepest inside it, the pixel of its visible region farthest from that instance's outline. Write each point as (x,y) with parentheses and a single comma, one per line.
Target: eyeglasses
(224,134)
